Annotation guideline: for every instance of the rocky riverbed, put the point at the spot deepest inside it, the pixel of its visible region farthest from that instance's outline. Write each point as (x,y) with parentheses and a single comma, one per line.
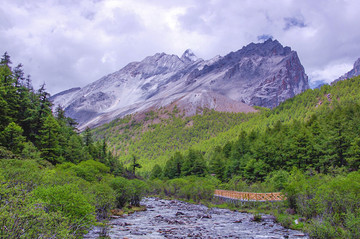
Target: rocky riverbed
(176,219)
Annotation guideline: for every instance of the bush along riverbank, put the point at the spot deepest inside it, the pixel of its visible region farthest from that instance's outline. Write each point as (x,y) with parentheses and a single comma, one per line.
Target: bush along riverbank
(62,201)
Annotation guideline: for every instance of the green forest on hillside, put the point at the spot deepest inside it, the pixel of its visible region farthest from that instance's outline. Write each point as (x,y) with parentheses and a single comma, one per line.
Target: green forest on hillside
(155,142)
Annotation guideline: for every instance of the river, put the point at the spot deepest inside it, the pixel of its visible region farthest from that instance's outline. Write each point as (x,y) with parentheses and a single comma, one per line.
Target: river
(177,219)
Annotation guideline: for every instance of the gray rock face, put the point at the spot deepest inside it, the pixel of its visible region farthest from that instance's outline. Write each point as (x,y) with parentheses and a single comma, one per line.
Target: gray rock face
(263,74)
(355,71)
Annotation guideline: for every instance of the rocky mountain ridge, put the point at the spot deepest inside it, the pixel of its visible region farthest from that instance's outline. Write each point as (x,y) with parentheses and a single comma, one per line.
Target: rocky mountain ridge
(355,71)
(262,74)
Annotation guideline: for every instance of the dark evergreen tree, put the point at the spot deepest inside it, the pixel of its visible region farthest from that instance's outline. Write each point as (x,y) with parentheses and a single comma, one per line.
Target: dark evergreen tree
(217,164)
(194,164)
(88,138)
(12,138)
(337,140)
(48,140)
(75,151)
(173,166)
(5,60)
(353,155)
(156,172)
(134,164)
(19,75)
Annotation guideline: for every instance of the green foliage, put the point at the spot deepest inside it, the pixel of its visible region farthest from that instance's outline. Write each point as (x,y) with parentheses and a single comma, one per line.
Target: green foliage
(53,184)
(90,170)
(174,186)
(277,180)
(12,138)
(23,216)
(104,199)
(48,140)
(61,198)
(25,172)
(157,172)
(6,154)
(128,191)
(23,213)
(236,184)
(217,164)
(194,164)
(256,170)
(173,166)
(331,203)
(189,188)
(134,164)
(322,230)
(30,151)
(123,190)
(157,136)
(198,189)
(140,188)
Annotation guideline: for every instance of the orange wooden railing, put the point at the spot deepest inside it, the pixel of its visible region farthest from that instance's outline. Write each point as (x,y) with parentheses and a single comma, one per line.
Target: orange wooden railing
(245,196)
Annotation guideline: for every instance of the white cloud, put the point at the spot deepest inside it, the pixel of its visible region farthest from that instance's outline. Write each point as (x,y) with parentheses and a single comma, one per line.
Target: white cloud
(330,72)
(74,42)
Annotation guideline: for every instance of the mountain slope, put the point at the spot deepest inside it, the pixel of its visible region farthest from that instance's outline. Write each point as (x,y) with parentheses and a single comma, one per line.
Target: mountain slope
(263,74)
(155,136)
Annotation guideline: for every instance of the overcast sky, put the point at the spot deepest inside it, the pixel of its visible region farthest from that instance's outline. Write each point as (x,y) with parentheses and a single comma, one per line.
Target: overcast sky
(70,43)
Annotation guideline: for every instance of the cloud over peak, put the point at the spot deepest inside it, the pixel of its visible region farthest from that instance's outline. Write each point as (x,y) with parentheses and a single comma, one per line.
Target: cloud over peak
(74,42)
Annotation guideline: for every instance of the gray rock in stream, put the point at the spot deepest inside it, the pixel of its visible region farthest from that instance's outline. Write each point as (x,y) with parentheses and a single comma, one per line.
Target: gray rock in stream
(176,219)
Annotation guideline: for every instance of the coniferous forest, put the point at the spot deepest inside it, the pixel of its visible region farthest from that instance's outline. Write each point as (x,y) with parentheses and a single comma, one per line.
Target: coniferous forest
(56,182)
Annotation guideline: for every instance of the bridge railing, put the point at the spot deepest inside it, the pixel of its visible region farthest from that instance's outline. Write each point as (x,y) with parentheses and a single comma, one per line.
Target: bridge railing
(247,196)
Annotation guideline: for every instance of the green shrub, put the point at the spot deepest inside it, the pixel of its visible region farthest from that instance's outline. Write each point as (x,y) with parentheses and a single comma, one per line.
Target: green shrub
(198,188)
(257,217)
(175,185)
(6,154)
(237,183)
(140,189)
(23,216)
(70,202)
(123,190)
(90,170)
(331,202)
(156,172)
(352,223)
(157,187)
(321,230)
(26,172)
(104,199)
(277,180)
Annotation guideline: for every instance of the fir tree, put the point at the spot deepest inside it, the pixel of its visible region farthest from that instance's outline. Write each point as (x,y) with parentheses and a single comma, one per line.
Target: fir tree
(12,138)
(48,140)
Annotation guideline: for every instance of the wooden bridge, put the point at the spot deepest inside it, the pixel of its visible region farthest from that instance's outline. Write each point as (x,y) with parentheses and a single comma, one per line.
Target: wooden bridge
(252,197)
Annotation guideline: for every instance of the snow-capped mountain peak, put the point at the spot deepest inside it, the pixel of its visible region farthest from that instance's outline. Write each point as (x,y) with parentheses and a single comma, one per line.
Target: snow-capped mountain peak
(263,74)
(189,55)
